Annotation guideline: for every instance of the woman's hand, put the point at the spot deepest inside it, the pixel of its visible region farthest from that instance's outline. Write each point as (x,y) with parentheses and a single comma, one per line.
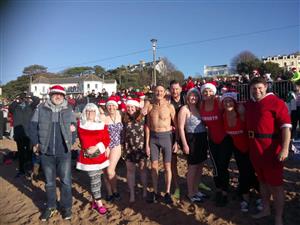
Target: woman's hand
(91,150)
(107,152)
(186,149)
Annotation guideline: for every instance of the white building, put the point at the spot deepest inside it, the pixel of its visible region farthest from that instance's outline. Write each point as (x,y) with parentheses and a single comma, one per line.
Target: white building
(285,61)
(218,70)
(73,85)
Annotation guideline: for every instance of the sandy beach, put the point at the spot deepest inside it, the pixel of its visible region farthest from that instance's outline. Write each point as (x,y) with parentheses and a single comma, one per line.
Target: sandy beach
(22,200)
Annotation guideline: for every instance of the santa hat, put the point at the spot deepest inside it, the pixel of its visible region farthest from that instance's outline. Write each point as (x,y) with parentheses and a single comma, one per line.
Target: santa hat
(294,69)
(255,72)
(57,89)
(133,101)
(112,101)
(122,107)
(101,102)
(210,86)
(118,98)
(140,95)
(232,95)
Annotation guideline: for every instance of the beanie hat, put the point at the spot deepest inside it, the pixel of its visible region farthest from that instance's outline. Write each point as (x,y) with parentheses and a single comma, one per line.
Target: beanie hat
(57,89)
(232,95)
(210,86)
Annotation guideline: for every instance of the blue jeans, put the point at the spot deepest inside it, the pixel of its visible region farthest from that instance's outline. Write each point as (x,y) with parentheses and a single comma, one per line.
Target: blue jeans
(58,166)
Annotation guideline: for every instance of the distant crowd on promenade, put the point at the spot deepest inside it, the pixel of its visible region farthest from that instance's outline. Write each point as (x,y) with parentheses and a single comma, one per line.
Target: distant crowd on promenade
(140,125)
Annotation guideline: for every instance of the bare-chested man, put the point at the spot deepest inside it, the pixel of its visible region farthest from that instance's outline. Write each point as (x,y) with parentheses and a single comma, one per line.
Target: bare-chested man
(159,136)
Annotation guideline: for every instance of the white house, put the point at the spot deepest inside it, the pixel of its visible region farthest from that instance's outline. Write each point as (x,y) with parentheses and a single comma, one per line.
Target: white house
(73,85)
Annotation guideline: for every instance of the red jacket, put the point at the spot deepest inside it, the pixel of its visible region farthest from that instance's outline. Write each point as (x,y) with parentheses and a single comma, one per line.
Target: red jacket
(93,134)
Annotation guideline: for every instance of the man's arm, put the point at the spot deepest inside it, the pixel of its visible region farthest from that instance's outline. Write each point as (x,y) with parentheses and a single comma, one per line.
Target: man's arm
(174,120)
(286,137)
(33,130)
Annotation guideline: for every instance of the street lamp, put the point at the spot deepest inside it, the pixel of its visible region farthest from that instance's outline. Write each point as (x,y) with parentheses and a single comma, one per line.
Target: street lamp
(154,41)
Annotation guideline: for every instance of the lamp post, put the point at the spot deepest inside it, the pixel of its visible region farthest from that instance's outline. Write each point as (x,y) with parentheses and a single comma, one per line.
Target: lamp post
(154,41)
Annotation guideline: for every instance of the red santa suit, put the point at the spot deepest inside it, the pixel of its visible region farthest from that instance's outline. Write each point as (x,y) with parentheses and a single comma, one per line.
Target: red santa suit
(264,120)
(93,134)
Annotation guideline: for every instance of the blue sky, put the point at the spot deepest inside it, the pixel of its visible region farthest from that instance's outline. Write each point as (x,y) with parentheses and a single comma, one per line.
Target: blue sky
(61,34)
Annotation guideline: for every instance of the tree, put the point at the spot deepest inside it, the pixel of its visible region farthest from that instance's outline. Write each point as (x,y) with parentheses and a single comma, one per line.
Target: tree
(247,67)
(242,58)
(77,71)
(15,87)
(99,70)
(272,68)
(34,69)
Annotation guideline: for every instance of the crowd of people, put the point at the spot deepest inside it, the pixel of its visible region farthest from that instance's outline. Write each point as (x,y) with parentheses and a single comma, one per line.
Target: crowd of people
(197,121)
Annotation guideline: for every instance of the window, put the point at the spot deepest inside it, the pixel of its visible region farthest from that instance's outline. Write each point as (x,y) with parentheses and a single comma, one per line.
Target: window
(96,86)
(35,88)
(43,89)
(88,86)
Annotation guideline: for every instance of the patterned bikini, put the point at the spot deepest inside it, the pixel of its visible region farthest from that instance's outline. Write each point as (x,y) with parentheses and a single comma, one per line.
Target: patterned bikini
(115,134)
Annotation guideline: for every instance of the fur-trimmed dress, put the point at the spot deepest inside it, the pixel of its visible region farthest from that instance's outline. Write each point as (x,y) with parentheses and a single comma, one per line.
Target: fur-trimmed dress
(93,134)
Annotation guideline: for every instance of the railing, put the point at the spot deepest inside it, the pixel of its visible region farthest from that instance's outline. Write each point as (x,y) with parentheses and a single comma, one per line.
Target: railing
(280,88)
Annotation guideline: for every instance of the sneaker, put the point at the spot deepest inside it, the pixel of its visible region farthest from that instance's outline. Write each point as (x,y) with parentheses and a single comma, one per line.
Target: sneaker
(167,199)
(109,198)
(94,205)
(244,206)
(176,193)
(102,210)
(259,205)
(201,195)
(204,187)
(196,199)
(66,214)
(116,196)
(20,174)
(47,214)
(153,197)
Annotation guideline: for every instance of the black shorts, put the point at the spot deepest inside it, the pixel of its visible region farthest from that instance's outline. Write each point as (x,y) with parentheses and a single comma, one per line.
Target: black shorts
(198,146)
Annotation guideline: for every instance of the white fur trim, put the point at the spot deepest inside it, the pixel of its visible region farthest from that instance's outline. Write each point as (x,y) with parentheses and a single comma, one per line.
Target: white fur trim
(92,125)
(288,125)
(101,147)
(133,102)
(91,167)
(210,86)
(111,102)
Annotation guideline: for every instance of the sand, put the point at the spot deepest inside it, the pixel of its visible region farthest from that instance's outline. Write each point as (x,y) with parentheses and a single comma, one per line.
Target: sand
(22,200)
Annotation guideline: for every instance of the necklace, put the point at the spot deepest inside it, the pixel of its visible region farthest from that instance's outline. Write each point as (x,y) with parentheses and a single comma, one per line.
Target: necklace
(113,119)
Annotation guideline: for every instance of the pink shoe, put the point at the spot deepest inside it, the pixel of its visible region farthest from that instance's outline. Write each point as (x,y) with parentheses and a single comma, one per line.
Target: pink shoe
(102,210)
(94,205)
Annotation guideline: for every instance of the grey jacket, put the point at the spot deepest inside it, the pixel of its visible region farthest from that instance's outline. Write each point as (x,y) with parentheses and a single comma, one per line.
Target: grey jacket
(42,122)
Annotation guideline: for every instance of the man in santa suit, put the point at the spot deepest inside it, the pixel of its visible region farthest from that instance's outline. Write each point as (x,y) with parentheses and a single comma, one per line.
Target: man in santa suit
(268,124)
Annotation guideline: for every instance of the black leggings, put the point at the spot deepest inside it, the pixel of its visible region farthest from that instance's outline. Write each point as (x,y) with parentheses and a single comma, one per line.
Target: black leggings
(295,117)
(220,155)
(247,177)
(24,153)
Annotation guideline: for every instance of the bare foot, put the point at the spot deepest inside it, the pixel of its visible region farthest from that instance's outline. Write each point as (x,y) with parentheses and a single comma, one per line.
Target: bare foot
(261,214)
